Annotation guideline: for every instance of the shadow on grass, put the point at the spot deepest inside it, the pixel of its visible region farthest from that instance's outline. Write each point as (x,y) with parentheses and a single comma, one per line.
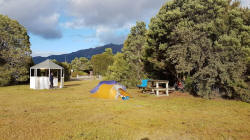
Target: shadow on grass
(72,85)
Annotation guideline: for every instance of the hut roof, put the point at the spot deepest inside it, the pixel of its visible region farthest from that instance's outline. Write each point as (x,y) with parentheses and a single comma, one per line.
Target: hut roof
(47,64)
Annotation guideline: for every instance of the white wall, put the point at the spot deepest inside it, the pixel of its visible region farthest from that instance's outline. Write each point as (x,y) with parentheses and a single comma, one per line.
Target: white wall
(42,82)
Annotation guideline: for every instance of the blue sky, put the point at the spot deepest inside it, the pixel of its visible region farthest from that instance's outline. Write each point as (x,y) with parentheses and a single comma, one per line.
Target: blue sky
(64,26)
(71,40)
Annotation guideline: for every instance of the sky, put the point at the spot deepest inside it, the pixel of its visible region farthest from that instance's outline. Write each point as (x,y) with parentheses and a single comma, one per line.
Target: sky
(65,26)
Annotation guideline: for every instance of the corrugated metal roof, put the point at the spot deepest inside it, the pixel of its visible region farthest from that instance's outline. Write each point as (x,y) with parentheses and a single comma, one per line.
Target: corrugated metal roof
(47,64)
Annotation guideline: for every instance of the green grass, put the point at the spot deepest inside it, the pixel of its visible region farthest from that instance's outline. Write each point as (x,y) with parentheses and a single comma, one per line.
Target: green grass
(70,113)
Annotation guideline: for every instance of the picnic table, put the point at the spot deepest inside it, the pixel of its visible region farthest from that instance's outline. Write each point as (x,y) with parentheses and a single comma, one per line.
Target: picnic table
(155,88)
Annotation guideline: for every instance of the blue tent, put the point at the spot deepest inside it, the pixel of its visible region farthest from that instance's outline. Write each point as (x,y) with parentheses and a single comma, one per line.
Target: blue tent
(108,83)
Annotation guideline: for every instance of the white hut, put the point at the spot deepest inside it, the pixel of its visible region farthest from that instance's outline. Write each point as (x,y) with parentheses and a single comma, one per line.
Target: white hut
(40,73)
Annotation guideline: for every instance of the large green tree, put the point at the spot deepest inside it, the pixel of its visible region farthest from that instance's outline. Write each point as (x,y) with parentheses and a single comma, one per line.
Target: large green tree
(246,40)
(81,64)
(202,40)
(133,49)
(15,58)
(101,62)
(128,67)
(120,71)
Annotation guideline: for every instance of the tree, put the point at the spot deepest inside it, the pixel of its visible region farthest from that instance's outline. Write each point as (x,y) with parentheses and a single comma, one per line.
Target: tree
(15,58)
(201,40)
(133,49)
(108,51)
(101,62)
(121,72)
(128,67)
(66,66)
(81,64)
(246,40)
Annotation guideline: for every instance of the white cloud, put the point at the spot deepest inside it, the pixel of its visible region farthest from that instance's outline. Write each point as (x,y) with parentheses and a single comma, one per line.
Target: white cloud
(40,17)
(110,17)
(1,2)
(112,35)
(111,13)
(76,24)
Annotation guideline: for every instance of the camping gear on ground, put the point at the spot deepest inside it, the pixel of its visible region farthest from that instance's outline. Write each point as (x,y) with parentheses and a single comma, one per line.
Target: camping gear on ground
(144,83)
(110,90)
(125,98)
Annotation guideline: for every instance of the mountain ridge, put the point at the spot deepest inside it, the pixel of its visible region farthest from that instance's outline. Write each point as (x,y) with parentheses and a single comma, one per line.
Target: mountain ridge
(88,53)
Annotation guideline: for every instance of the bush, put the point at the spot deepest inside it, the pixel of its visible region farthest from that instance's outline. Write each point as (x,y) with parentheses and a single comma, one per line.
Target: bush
(189,84)
(5,77)
(121,72)
(242,94)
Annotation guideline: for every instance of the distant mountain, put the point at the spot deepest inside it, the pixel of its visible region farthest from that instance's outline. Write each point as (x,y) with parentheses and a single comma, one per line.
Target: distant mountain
(88,53)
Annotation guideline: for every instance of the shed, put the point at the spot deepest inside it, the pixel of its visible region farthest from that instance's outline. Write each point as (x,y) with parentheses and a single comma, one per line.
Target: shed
(40,73)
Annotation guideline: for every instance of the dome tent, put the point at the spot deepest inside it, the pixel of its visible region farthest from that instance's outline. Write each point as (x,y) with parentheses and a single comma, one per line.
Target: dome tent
(110,90)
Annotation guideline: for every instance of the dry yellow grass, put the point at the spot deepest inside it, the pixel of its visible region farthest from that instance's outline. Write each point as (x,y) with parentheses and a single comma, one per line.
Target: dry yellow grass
(71,113)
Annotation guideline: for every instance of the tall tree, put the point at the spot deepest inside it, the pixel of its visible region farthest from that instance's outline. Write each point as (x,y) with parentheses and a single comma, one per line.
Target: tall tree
(15,58)
(133,49)
(246,39)
(203,40)
(128,67)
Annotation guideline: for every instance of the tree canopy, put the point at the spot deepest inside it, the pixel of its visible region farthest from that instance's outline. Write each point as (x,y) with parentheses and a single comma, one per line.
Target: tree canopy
(81,64)
(120,71)
(15,58)
(133,49)
(108,51)
(128,66)
(101,62)
(204,41)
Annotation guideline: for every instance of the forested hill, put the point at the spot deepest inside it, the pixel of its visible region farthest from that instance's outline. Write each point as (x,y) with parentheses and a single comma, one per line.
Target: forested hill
(88,53)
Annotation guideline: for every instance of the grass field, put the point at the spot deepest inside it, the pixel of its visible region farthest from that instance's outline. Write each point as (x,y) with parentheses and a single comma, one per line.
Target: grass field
(70,113)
